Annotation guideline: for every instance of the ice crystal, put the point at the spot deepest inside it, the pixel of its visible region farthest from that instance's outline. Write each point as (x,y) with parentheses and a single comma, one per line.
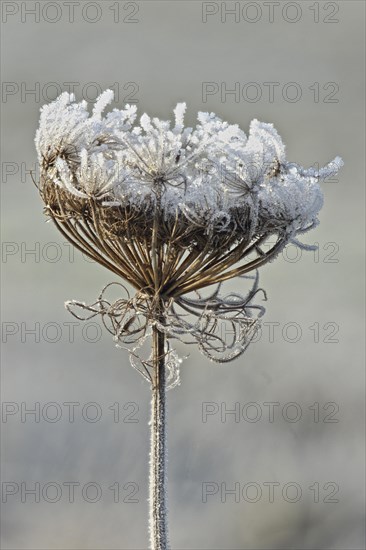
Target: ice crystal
(208,173)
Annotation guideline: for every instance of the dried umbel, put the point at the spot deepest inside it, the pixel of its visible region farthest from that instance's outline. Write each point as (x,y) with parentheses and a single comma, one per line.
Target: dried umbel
(172,210)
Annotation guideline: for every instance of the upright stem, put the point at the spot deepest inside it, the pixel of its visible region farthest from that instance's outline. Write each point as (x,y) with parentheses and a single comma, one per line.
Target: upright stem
(157,497)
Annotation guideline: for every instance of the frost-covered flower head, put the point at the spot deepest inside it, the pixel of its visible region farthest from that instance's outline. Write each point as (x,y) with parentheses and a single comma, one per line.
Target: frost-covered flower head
(172,209)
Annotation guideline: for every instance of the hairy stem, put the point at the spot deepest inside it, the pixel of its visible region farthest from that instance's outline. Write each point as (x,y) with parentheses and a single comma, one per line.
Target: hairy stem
(157,497)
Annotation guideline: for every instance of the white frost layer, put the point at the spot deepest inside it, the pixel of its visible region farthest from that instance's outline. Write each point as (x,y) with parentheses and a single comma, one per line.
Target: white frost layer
(203,172)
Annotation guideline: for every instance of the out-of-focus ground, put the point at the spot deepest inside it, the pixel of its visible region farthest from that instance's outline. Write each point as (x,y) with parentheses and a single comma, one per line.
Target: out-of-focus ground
(298,475)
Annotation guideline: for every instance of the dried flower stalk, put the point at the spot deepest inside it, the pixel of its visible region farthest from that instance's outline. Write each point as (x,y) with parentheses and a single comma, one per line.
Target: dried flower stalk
(172,211)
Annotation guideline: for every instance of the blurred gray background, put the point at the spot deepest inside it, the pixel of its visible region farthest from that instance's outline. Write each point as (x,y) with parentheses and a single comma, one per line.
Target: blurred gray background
(311,451)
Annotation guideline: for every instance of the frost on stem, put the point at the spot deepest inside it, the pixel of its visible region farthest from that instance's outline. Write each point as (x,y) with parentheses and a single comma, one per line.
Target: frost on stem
(158,453)
(205,204)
